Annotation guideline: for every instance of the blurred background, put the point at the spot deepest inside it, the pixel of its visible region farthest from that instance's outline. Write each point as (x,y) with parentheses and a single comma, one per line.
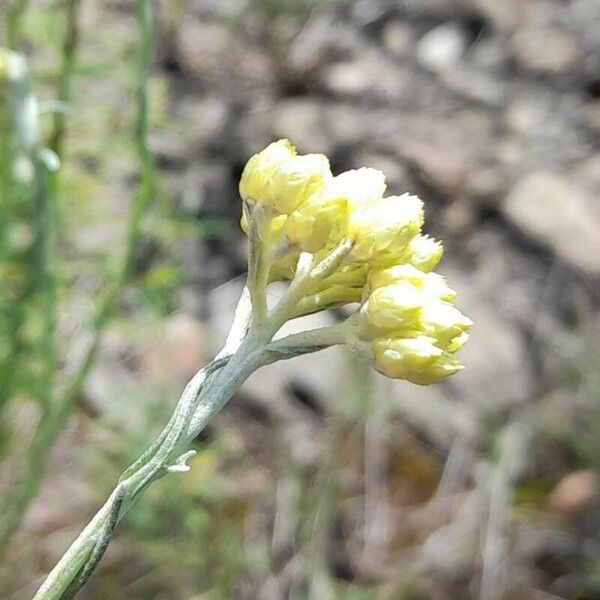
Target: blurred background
(119,272)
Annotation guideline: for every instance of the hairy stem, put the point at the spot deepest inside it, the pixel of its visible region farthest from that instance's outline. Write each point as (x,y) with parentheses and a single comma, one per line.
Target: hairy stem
(80,560)
(248,347)
(205,395)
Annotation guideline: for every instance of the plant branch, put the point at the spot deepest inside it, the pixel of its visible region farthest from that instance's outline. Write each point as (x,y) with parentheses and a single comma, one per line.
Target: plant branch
(80,560)
(307,277)
(203,397)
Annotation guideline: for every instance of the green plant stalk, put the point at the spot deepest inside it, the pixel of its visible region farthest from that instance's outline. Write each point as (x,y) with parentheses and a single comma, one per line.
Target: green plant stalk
(14,17)
(11,308)
(54,420)
(45,277)
(26,489)
(144,18)
(42,283)
(21,137)
(65,84)
(80,560)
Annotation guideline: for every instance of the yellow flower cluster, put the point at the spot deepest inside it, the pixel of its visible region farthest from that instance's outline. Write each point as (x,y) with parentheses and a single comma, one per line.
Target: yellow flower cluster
(407,314)
(414,328)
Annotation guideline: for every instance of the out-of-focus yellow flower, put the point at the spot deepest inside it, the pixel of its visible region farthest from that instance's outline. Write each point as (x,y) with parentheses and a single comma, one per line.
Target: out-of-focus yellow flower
(319,221)
(423,252)
(416,359)
(382,231)
(281,180)
(361,187)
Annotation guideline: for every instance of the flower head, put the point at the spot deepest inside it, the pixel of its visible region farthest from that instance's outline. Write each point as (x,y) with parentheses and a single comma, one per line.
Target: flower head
(417,359)
(423,252)
(353,245)
(382,231)
(361,187)
(431,284)
(319,221)
(280,179)
(413,327)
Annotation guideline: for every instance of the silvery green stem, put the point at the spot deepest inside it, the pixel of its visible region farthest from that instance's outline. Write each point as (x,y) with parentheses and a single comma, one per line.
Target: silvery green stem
(256,351)
(245,351)
(80,560)
(241,323)
(309,341)
(203,397)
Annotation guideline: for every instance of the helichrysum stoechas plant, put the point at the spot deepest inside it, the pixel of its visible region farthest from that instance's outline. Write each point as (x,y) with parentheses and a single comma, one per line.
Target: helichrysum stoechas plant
(371,250)
(338,241)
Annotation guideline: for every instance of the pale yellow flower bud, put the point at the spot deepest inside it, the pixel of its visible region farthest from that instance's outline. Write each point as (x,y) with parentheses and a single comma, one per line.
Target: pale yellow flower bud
(360,187)
(444,322)
(416,359)
(382,231)
(319,222)
(423,252)
(435,285)
(404,299)
(394,306)
(432,284)
(281,180)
